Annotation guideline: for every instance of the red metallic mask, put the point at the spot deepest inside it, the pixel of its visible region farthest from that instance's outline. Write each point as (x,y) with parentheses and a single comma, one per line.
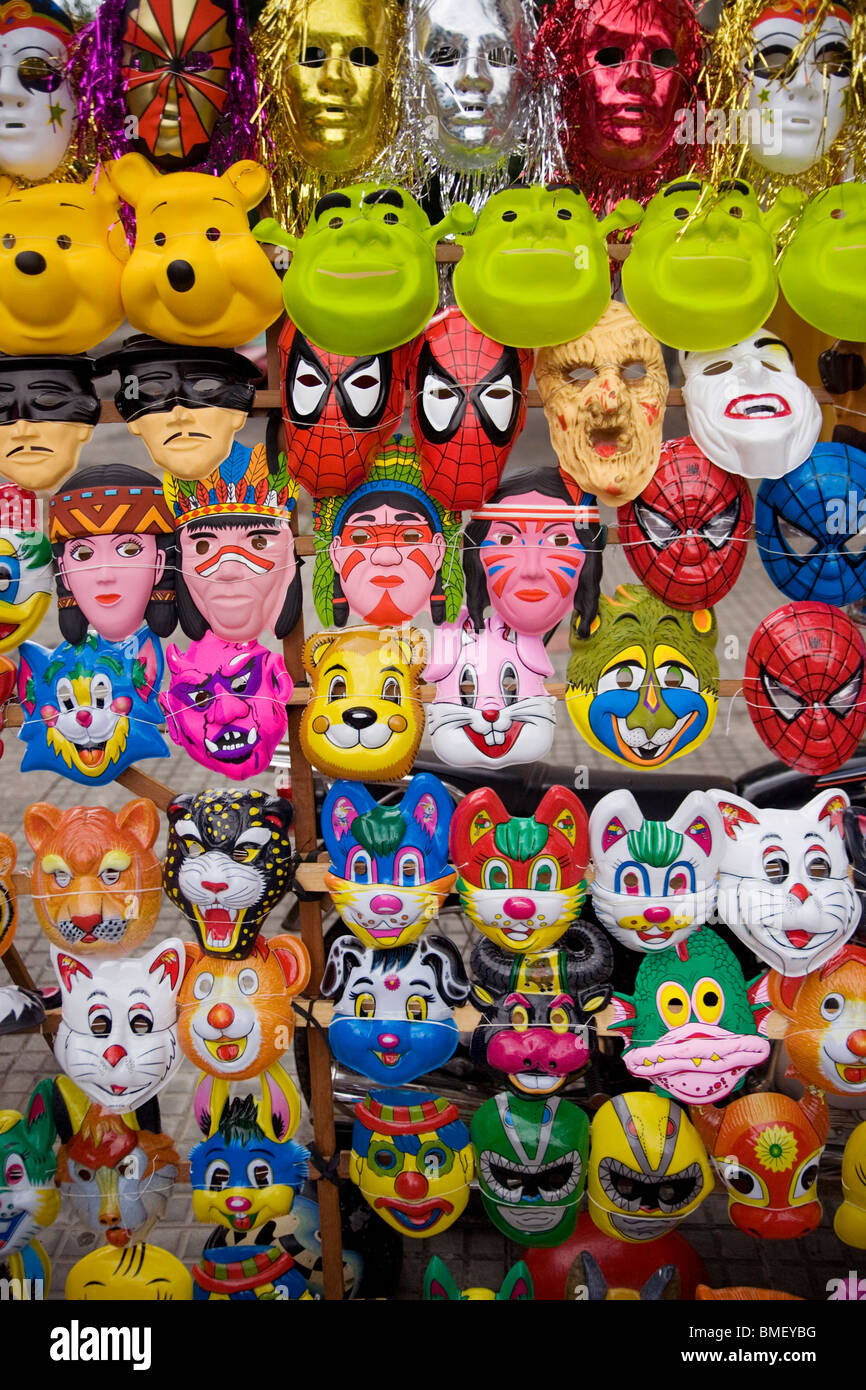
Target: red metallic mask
(767,1148)
(804,685)
(338,411)
(467,407)
(685,537)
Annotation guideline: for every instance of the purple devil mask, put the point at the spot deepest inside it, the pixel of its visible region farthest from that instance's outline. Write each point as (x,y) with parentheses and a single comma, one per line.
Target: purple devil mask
(226,704)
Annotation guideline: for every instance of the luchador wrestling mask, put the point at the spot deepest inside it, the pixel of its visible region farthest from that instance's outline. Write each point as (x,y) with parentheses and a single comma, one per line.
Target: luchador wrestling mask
(227,864)
(803,685)
(112,532)
(766,1149)
(691,1027)
(389,873)
(338,411)
(535,270)
(796,74)
(535,554)
(412,1161)
(644,687)
(186,403)
(117,1037)
(823,269)
(654,881)
(362,278)
(48,407)
(784,888)
(491,705)
(531,1157)
(29,1199)
(387,552)
(467,408)
(686,535)
(34,52)
(604,396)
(25,566)
(393,1017)
(747,409)
(521,879)
(808,526)
(647,1167)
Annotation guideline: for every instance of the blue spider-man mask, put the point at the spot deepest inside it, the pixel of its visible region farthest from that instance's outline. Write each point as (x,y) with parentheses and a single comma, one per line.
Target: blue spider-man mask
(808,526)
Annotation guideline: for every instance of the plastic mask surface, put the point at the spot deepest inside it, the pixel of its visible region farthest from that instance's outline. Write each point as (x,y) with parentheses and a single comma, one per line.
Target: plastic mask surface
(25,567)
(825,1012)
(48,407)
(133,1274)
(29,1200)
(822,271)
(34,52)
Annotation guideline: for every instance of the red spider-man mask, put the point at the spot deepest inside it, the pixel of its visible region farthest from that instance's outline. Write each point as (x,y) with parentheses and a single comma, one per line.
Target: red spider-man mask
(338,411)
(467,407)
(804,685)
(685,537)
(175,69)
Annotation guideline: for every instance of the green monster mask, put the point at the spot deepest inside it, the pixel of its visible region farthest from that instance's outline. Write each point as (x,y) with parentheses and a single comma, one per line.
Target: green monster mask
(643,688)
(363,276)
(536,272)
(692,1022)
(823,271)
(701,272)
(531,1161)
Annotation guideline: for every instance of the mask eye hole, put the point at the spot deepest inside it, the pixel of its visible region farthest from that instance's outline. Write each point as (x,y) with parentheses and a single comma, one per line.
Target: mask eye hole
(717,368)
(64,242)
(776,866)
(509,215)
(735,212)
(838,213)
(832,1006)
(564,214)
(681,214)
(610,57)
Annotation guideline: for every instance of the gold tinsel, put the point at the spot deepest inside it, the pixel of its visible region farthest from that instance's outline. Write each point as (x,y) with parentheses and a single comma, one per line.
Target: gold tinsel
(728,91)
(295,185)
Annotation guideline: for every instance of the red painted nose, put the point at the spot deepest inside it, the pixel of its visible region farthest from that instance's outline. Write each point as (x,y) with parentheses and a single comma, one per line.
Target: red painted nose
(519,908)
(114,1054)
(238,1203)
(214,887)
(856,1042)
(89,923)
(800,891)
(491,715)
(411,1186)
(386,903)
(84,717)
(221,1015)
(657,914)
(388,1041)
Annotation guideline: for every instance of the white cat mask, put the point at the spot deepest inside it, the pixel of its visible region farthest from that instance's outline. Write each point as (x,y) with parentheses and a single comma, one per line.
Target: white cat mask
(118,1032)
(655,881)
(784,888)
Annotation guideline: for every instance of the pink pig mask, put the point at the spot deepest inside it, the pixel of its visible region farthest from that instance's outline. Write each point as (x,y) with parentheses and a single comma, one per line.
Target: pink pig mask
(491,705)
(237,576)
(111,579)
(226,704)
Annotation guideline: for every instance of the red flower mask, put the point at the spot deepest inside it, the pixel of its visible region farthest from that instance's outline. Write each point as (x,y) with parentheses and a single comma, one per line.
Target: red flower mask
(804,685)
(685,537)
(467,407)
(338,411)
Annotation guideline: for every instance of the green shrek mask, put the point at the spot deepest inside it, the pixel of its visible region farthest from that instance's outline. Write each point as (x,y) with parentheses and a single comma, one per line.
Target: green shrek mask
(823,270)
(535,272)
(531,1158)
(363,276)
(701,273)
(692,1025)
(643,688)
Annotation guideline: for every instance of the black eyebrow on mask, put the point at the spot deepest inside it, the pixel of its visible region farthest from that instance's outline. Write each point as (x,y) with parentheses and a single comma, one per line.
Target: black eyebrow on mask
(331,200)
(410,516)
(774,342)
(734,186)
(687,186)
(385,195)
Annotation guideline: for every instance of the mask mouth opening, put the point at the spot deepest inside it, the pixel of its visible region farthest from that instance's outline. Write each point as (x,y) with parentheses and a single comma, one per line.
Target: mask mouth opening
(607,440)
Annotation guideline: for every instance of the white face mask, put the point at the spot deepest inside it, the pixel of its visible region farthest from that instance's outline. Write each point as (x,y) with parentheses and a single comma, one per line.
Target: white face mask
(796,114)
(36,124)
(748,410)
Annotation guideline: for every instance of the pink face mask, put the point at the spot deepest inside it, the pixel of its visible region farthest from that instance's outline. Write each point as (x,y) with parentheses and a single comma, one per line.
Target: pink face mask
(532,558)
(387,558)
(237,576)
(226,704)
(491,705)
(111,579)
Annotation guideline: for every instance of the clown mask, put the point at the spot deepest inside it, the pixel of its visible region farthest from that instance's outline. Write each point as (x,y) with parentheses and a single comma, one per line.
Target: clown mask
(25,566)
(654,880)
(803,685)
(413,1162)
(747,409)
(531,1157)
(48,407)
(604,396)
(393,1017)
(389,873)
(226,704)
(647,1167)
(797,79)
(784,889)
(686,535)
(643,688)
(34,52)
(118,1032)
